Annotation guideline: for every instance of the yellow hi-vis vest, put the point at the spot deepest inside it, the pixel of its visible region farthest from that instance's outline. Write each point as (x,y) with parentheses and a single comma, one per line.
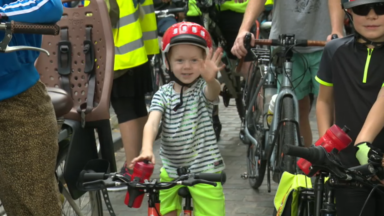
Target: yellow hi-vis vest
(239,7)
(149,28)
(193,10)
(128,38)
(269,3)
(233,6)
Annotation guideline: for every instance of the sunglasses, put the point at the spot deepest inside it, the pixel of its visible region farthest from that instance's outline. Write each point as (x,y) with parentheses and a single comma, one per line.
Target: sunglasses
(363,10)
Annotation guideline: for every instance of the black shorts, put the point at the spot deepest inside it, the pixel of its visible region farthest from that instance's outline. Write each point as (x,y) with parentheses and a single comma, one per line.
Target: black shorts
(128,93)
(229,23)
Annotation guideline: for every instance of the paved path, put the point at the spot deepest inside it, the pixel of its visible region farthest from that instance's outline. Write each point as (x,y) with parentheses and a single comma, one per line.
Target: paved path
(241,199)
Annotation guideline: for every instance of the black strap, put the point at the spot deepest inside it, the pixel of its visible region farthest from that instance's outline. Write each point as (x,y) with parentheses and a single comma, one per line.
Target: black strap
(64,55)
(108,202)
(89,52)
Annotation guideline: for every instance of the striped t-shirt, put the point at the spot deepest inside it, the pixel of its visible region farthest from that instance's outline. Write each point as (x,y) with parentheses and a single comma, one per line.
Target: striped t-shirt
(188,138)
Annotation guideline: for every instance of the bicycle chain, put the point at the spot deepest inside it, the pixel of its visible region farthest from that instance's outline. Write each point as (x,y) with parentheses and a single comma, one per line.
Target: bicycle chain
(108,202)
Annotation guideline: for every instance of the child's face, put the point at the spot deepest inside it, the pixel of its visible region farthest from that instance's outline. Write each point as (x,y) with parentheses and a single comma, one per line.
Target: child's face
(186,62)
(370,26)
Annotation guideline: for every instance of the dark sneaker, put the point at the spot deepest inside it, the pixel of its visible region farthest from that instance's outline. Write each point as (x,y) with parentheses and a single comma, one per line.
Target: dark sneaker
(126,173)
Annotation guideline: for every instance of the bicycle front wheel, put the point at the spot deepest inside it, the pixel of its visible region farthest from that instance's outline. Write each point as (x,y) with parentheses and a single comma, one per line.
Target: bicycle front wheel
(286,136)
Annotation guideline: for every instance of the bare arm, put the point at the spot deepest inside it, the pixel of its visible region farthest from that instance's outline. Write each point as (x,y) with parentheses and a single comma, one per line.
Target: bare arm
(374,122)
(212,90)
(337,15)
(325,109)
(254,9)
(150,131)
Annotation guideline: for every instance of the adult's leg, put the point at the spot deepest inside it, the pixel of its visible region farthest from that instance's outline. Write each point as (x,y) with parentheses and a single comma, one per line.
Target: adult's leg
(28,152)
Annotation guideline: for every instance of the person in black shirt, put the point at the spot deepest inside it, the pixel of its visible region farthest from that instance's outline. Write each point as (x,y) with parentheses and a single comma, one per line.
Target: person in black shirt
(351,77)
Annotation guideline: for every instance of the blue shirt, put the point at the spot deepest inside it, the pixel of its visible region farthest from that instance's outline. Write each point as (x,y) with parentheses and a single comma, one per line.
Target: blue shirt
(17,70)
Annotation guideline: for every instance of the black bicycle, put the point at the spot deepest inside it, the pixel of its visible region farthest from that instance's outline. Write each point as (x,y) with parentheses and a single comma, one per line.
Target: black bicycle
(320,200)
(94,181)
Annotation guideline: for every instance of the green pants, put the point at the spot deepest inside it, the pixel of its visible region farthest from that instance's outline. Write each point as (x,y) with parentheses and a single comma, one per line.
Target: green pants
(207,199)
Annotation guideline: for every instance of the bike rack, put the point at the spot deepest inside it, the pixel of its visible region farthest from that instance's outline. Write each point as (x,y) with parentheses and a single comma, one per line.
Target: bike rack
(83,146)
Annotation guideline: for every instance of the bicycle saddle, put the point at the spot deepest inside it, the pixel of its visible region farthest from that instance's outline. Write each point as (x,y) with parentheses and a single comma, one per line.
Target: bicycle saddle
(62,102)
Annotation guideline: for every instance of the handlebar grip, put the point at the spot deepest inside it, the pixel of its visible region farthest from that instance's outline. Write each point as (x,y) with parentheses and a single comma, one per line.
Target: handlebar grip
(247,41)
(28,28)
(267,42)
(316,43)
(313,154)
(93,176)
(213,177)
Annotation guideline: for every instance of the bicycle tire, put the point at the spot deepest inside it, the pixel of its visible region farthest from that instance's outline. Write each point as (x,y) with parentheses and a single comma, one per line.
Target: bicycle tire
(93,196)
(239,99)
(255,182)
(286,137)
(255,151)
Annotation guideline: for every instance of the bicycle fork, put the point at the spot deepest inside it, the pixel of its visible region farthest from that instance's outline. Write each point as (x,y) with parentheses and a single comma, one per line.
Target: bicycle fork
(272,134)
(154,204)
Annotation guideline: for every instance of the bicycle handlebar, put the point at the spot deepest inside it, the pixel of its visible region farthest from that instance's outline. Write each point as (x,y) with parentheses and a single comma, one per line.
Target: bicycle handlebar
(93,180)
(324,161)
(170,11)
(284,40)
(295,42)
(25,28)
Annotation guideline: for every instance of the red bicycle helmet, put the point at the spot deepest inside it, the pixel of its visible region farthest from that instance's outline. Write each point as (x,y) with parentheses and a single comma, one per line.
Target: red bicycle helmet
(354,3)
(186,33)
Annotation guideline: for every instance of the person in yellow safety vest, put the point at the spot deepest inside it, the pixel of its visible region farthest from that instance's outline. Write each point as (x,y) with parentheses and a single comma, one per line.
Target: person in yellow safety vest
(135,37)
(194,13)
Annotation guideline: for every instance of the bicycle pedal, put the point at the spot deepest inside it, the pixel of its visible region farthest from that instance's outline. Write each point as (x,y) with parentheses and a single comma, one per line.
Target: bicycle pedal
(244,176)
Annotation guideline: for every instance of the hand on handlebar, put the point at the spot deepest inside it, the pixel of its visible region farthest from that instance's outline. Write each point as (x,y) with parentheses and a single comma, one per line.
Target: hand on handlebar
(339,35)
(145,155)
(367,153)
(238,48)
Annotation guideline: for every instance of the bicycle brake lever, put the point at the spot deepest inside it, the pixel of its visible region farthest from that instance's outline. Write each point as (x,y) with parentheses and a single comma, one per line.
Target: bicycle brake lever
(9,49)
(4,48)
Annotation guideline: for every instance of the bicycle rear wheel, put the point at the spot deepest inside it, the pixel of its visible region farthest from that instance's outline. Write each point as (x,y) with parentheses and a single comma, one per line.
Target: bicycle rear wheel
(256,165)
(286,136)
(89,204)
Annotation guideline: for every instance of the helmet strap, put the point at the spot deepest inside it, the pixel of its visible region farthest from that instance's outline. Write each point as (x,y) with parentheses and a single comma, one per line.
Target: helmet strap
(359,36)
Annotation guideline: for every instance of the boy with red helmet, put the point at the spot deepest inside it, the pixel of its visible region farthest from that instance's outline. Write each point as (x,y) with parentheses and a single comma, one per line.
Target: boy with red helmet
(185,108)
(351,79)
